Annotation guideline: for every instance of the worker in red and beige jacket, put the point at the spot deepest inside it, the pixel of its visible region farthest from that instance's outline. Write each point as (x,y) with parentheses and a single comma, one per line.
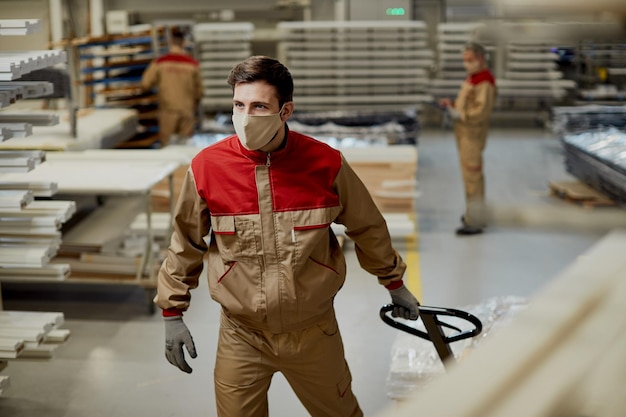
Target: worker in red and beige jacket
(261,203)
(176,75)
(471,111)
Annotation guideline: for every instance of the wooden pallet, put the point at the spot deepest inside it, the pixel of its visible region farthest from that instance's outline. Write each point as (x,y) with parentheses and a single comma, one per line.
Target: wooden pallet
(580,193)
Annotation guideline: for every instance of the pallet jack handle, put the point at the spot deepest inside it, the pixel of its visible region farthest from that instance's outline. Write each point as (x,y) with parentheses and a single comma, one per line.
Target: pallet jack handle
(434,327)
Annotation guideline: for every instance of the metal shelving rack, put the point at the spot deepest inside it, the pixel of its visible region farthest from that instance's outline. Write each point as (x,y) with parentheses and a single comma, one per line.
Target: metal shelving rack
(603,65)
(111,67)
(532,71)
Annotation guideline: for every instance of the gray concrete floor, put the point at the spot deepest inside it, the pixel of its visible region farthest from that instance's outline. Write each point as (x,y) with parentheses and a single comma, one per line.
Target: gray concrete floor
(113,363)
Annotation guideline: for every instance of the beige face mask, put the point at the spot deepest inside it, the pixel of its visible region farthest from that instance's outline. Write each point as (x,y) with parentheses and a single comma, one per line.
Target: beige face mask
(256,131)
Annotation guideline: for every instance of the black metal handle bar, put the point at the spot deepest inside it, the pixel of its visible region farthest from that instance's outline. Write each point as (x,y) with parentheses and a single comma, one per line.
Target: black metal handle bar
(434,313)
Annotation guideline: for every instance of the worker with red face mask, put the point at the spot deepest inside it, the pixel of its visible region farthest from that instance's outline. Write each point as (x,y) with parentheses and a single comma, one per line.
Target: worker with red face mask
(471,111)
(261,203)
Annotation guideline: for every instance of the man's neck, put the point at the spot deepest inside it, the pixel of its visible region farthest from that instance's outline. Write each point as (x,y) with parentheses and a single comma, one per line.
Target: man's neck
(175,49)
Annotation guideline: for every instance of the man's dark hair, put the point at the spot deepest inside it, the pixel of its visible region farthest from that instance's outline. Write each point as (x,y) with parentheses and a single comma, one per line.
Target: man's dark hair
(264,68)
(178,37)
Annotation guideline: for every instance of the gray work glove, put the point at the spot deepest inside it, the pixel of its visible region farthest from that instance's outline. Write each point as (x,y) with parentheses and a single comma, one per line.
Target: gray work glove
(176,335)
(454,113)
(405,305)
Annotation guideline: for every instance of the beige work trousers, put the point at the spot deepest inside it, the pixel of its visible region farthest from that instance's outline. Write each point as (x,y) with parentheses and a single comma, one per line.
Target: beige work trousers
(173,122)
(471,141)
(312,360)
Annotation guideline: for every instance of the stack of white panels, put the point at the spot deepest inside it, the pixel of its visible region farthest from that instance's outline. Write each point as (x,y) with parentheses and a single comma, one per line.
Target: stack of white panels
(19,27)
(30,232)
(220,47)
(355,65)
(15,64)
(15,199)
(17,90)
(29,235)
(25,334)
(33,119)
(20,161)
(37,188)
(532,71)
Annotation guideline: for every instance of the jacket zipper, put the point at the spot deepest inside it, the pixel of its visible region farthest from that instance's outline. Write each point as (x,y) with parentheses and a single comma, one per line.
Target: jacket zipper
(267,164)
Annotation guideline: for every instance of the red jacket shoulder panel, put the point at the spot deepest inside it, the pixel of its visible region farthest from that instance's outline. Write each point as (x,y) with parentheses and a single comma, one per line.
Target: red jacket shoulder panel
(225,178)
(482,76)
(302,176)
(178,58)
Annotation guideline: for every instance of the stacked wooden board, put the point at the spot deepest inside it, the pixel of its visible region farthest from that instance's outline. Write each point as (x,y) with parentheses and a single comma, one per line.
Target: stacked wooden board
(29,334)
(389,173)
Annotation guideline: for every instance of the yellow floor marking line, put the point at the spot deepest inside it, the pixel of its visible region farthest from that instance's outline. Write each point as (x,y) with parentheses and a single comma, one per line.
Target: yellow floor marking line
(413,277)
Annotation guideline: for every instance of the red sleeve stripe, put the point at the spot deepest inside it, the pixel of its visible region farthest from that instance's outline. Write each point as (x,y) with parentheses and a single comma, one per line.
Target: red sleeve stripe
(394,285)
(172,312)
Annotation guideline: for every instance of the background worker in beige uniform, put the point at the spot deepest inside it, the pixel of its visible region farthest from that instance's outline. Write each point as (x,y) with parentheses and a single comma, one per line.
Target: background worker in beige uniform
(176,75)
(266,198)
(471,111)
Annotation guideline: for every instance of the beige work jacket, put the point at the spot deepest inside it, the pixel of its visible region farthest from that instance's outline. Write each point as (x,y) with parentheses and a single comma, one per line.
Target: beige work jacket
(274,262)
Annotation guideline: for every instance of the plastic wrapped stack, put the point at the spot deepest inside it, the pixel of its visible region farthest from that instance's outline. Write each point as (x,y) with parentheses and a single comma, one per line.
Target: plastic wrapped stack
(415,362)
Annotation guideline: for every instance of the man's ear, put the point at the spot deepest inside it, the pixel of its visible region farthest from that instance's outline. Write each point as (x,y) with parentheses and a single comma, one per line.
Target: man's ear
(287,111)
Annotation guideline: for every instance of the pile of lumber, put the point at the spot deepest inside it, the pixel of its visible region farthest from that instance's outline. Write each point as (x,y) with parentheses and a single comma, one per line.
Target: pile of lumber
(580,193)
(389,173)
(28,334)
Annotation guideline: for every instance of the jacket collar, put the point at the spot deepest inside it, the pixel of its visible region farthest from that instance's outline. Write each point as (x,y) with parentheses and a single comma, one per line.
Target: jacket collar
(480,76)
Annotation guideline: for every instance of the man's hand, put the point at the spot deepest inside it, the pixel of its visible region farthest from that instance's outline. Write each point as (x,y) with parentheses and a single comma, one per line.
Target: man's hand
(405,304)
(176,335)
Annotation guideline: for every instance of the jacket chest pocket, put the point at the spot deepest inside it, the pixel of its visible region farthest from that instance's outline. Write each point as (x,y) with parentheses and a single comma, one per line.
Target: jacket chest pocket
(235,238)
(470,100)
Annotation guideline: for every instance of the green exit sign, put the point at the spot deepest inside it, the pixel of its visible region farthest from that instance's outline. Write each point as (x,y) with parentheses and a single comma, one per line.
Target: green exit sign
(395,11)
